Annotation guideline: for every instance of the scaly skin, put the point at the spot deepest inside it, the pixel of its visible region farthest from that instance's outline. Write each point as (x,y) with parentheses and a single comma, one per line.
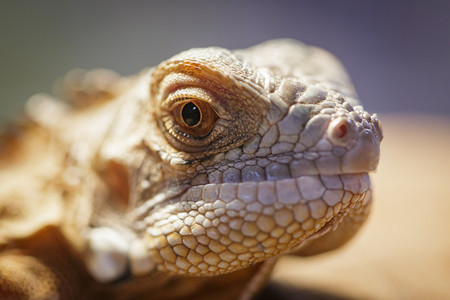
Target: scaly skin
(277,163)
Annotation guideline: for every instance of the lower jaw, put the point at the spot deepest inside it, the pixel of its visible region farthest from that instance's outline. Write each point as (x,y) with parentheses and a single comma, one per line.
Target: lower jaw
(235,225)
(338,230)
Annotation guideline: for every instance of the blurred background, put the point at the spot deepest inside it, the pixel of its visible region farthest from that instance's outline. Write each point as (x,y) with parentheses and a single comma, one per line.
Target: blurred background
(397,52)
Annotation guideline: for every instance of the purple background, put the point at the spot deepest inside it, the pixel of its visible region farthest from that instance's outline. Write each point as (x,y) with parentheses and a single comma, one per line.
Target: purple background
(397,52)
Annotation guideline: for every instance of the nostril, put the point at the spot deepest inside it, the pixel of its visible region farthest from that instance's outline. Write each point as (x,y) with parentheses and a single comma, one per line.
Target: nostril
(341,131)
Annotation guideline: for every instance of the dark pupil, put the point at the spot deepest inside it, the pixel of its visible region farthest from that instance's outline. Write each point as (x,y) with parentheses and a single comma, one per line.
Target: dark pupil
(191,114)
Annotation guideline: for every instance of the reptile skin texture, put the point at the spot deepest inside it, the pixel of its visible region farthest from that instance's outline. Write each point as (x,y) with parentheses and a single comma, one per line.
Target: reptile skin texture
(187,180)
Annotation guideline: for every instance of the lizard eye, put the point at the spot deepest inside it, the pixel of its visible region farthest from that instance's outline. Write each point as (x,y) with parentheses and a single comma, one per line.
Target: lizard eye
(191,114)
(194,117)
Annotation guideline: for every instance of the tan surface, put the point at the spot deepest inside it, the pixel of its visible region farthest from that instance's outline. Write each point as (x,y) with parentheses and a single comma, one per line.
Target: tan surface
(404,250)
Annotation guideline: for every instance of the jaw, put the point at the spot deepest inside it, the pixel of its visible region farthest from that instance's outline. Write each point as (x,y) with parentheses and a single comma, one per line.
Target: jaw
(337,232)
(219,228)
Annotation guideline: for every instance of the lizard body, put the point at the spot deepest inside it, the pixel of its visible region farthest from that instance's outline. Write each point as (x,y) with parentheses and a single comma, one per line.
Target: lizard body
(186,179)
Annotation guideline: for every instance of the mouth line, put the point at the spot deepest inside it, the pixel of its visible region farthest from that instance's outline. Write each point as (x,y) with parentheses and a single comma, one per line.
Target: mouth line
(304,174)
(329,181)
(319,192)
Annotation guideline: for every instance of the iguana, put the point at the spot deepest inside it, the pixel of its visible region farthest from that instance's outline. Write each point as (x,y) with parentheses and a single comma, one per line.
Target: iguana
(187,180)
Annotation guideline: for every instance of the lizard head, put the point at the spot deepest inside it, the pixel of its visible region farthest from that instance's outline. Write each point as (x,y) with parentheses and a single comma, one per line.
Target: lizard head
(259,152)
